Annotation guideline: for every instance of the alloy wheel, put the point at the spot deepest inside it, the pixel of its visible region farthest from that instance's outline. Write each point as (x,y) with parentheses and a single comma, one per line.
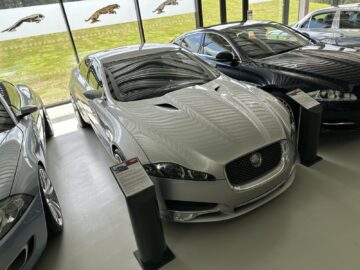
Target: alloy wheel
(50,197)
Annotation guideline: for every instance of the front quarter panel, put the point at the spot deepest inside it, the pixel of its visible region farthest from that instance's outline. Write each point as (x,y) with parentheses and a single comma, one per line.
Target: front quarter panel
(32,153)
(116,135)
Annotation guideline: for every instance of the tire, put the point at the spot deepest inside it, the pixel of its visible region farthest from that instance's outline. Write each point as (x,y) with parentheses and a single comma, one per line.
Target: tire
(79,118)
(52,209)
(49,131)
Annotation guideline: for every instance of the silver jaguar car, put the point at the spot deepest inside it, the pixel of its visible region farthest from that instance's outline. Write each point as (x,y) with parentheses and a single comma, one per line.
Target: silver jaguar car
(215,148)
(333,25)
(29,208)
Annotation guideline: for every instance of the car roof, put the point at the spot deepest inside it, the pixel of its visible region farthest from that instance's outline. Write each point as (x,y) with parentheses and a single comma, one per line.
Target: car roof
(223,27)
(340,7)
(220,27)
(127,52)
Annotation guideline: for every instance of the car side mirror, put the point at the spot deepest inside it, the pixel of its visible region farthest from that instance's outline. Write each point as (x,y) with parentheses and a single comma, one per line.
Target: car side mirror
(27,109)
(225,56)
(93,94)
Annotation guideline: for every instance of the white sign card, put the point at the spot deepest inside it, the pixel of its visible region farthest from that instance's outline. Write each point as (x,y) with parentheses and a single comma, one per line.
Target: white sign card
(131,177)
(303,99)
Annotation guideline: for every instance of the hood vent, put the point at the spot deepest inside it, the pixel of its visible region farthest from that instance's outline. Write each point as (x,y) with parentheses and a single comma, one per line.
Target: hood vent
(167,106)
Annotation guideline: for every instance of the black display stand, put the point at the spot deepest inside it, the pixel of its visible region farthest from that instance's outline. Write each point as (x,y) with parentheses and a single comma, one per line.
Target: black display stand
(309,127)
(139,192)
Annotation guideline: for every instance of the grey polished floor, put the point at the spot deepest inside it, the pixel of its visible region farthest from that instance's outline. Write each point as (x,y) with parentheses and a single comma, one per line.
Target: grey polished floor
(313,226)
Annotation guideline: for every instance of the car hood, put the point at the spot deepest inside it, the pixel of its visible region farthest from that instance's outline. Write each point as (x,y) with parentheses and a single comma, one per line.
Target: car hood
(331,63)
(204,126)
(9,156)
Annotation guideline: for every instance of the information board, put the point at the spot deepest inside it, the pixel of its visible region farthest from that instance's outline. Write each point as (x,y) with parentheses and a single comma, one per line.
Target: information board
(131,177)
(303,99)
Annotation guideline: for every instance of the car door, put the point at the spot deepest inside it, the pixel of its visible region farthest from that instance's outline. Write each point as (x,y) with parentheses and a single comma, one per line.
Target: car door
(347,33)
(320,27)
(80,86)
(96,106)
(212,45)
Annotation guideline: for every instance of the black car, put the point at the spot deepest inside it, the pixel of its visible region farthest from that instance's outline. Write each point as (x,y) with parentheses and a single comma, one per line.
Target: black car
(279,59)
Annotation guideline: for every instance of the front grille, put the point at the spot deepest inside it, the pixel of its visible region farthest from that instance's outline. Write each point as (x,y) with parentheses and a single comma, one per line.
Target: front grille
(242,171)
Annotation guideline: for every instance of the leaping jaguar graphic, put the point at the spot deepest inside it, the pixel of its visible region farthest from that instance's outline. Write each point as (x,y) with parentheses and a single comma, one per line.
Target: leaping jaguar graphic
(37,18)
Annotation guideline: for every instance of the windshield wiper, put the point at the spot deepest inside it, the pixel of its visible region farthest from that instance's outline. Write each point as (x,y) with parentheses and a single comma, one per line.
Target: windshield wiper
(290,49)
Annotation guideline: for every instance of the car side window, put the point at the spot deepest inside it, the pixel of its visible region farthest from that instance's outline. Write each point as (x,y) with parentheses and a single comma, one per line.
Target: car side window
(11,96)
(320,21)
(349,20)
(192,42)
(84,67)
(94,79)
(214,44)
(6,122)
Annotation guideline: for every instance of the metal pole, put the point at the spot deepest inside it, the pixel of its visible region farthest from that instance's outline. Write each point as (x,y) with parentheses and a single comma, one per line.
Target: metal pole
(223,18)
(303,8)
(286,10)
(139,21)
(69,31)
(245,9)
(199,14)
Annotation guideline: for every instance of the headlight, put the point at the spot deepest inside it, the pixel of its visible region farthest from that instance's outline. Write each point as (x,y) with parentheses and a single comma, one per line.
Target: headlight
(11,210)
(175,171)
(332,95)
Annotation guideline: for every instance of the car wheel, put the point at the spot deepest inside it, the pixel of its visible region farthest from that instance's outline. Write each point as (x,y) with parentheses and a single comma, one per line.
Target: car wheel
(49,131)
(119,156)
(53,213)
(79,118)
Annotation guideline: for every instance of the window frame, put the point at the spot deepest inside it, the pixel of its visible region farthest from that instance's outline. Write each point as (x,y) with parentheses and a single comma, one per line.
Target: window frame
(202,36)
(12,108)
(201,52)
(339,19)
(9,111)
(333,24)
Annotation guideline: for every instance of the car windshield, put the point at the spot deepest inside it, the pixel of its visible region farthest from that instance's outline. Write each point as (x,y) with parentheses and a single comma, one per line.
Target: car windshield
(154,75)
(260,41)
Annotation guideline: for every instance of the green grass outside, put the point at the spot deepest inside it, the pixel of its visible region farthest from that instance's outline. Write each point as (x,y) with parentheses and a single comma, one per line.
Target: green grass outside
(45,62)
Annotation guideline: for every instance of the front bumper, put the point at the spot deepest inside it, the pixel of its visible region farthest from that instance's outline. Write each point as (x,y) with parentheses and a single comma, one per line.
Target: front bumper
(341,116)
(24,243)
(218,200)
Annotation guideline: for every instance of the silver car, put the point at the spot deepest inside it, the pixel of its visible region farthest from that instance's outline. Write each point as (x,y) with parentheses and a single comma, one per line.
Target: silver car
(215,148)
(334,25)
(29,208)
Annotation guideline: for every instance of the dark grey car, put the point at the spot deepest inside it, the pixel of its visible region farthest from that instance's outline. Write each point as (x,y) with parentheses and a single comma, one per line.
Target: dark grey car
(334,25)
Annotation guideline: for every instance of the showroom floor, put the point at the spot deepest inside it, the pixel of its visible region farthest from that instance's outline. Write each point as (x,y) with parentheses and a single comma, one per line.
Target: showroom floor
(313,226)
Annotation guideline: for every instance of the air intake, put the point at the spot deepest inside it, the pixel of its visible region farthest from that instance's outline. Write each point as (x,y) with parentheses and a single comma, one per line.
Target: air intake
(167,106)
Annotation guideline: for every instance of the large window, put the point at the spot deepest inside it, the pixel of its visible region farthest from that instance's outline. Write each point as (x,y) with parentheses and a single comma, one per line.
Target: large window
(102,24)
(164,20)
(35,47)
(267,10)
